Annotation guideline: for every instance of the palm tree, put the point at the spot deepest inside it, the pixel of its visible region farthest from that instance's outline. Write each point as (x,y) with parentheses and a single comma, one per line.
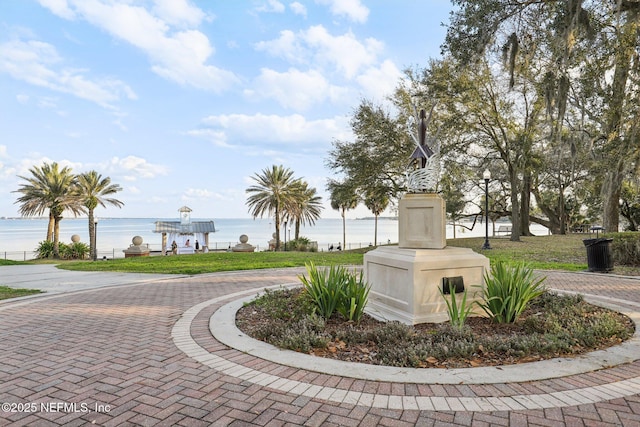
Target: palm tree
(271,194)
(92,190)
(343,198)
(305,205)
(50,188)
(376,200)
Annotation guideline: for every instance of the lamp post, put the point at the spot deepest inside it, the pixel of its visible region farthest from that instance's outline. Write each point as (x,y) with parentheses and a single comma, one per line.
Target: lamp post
(95,233)
(487,176)
(289,234)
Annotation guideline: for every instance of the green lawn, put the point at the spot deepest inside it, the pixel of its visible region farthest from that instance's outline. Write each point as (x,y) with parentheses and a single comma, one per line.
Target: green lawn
(540,252)
(555,252)
(7,292)
(216,261)
(544,252)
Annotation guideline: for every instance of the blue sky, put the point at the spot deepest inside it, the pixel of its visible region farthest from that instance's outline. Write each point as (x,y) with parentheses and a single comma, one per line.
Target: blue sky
(182,101)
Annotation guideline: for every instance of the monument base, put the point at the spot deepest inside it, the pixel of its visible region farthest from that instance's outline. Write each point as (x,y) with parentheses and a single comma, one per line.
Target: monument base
(422,221)
(406,283)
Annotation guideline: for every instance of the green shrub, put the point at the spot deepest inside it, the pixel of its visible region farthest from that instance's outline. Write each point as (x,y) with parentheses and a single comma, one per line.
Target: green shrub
(336,289)
(300,244)
(355,294)
(570,320)
(323,286)
(286,304)
(44,250)
(553,325)
(457,313)
(77,250)
(508,290)
(625,247)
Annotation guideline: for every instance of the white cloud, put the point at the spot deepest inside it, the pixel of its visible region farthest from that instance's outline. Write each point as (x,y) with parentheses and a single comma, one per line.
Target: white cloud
(21,168)
(288,46)
(217,137)
(346,52)
(317,47)
(176,54)
(352,9)
(294,89)
(39,64)
(379,82)
(270,6)
(273,129)
(133,167)
(298,8)
(179,12)
(59,7)
(22,99)
(3,151)
(197,193)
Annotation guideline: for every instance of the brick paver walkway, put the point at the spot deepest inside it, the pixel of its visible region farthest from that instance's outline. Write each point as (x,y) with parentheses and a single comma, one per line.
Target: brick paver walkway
(121,356)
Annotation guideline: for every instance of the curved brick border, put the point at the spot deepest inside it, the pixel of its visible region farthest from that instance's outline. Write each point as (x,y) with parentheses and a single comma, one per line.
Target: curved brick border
(556,399)
(223,328)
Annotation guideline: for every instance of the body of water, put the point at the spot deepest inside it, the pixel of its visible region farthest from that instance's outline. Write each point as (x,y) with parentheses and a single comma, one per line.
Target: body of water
(21,236)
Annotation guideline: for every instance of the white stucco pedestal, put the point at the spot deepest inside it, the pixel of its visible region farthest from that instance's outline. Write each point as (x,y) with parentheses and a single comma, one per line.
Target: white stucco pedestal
(406,280)
(406,283)
(422,221)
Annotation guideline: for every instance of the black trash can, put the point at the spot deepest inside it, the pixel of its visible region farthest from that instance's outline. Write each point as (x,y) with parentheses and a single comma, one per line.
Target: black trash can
(599,257)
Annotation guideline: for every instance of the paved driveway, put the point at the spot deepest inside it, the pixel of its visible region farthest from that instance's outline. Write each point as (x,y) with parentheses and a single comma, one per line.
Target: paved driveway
(141,353)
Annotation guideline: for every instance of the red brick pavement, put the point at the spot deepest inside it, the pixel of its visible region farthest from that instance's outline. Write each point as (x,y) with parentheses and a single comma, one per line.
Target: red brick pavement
(110,352)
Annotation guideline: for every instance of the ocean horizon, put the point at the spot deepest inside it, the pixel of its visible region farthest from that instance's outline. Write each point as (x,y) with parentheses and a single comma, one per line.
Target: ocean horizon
(19,237)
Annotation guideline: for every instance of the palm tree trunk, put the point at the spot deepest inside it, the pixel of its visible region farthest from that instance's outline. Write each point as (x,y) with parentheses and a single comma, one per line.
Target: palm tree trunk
(50,227)
(276,218)
(375,232)
(92,236)
(56,238)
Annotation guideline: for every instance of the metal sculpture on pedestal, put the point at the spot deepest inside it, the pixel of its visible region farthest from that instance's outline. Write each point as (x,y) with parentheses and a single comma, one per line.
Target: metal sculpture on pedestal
(424,172)
(406,280)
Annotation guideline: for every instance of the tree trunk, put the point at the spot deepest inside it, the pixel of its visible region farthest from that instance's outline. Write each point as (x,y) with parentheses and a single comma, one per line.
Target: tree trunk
(344,229)
(562,211)
(276,218)
(375,231)
(50,226)
(525,205)
(618,147)
(611,188)
(92,236)
(56,238)
(516,229)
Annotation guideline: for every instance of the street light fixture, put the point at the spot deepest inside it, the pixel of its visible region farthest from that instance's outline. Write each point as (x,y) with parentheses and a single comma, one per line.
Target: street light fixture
(487,177)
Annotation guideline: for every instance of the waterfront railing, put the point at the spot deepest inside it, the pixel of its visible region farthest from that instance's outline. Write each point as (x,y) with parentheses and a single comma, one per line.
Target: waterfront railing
(115,253)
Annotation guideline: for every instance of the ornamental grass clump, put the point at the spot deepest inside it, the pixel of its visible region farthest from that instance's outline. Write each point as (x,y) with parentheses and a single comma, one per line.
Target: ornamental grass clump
(508,290)
(336,289)
(458,312)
